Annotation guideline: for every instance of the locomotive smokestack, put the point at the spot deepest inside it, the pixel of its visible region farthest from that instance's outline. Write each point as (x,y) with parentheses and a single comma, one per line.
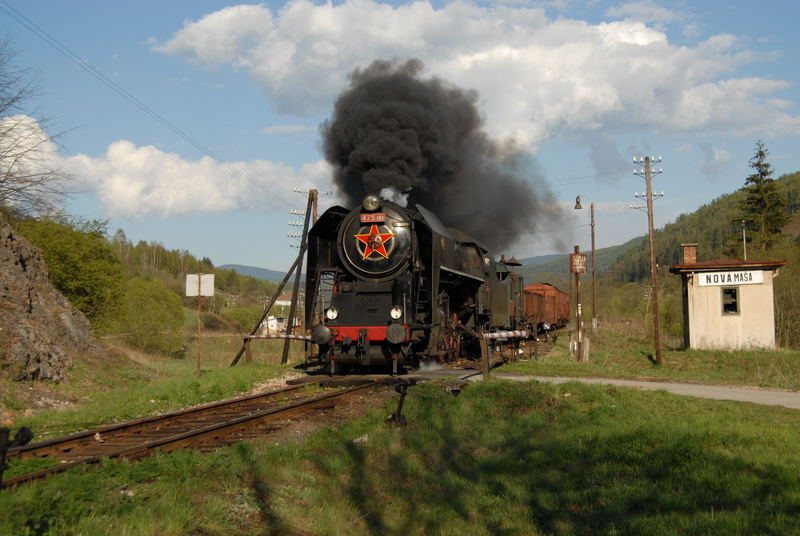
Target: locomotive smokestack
(397,135)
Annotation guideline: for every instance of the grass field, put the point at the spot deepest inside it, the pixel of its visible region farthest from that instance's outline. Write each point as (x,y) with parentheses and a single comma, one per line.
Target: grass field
(131,384)
(616,353)
(500,458)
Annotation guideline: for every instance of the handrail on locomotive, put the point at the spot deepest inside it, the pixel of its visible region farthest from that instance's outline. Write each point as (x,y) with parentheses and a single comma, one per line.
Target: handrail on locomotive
(393,286)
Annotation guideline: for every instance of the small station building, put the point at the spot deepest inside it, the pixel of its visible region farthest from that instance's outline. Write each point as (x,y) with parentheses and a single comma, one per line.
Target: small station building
(728,304)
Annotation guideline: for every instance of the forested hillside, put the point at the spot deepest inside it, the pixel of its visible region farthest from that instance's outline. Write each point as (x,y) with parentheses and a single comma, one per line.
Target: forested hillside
(253,271)
(113,281)
(135,293)
(623,271)
(557,266)
(716,227)
(170,266)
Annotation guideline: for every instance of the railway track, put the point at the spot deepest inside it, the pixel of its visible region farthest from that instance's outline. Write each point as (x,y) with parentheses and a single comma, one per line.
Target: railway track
(209,425)
(204,427)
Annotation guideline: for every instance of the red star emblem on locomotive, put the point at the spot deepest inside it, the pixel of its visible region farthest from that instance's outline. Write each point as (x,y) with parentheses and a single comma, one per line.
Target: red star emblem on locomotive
(374,242)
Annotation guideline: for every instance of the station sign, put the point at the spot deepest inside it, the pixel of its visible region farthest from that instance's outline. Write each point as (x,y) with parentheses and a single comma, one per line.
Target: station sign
(740,277)
(577,263)
(199,285)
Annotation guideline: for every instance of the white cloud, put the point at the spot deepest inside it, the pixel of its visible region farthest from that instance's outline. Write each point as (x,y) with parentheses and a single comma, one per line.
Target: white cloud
(30,178)
(537,77)
(224,36)
(647,11)
(138,181)
(25,147)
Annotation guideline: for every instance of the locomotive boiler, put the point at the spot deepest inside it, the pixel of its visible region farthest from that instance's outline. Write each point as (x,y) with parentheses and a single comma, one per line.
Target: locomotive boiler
(388,286)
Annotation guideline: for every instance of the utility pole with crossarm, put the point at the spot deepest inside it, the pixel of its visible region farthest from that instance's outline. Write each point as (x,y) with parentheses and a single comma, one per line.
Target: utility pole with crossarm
(643,169)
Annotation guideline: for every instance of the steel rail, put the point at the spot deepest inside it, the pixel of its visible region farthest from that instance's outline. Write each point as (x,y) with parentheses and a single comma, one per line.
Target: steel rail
(67,443)
(214,432)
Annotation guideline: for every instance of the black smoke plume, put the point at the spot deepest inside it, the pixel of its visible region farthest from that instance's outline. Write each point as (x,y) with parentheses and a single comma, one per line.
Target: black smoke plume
(392,129)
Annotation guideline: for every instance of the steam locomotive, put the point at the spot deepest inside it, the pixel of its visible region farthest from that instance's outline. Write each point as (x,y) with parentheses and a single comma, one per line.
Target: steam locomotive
(392,286)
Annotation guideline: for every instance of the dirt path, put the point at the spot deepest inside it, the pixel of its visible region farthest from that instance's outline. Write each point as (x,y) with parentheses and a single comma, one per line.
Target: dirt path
(756,395)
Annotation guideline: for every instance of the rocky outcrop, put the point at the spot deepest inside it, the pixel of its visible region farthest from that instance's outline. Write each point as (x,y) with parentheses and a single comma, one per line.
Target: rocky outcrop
(41,333)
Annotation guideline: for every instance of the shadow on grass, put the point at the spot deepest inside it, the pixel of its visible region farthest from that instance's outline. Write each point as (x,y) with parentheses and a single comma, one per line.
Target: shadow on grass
(361,490)
(270,521)
(532,474)
(650,358)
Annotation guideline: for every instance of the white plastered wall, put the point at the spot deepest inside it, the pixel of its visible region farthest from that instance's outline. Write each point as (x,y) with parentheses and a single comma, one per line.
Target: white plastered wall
(752,328)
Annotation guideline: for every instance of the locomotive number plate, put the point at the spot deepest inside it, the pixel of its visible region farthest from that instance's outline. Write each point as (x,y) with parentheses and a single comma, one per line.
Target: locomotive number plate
(375,217)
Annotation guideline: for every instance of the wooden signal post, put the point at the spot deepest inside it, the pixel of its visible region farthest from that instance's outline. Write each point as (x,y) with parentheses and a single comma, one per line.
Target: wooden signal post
(577,266)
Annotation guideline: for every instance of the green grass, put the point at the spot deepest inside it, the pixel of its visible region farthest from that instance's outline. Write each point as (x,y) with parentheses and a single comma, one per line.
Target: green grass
(121,390)
(117,389)
(130,384)
(615,354)
(149,398)
(500,458)
(218,351)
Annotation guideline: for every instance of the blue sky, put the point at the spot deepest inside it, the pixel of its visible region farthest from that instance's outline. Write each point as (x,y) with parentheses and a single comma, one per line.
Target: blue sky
(581,86)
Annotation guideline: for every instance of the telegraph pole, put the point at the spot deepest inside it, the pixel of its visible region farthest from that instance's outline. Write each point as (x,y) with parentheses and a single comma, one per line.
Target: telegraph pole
(312,206)
(578,315)
(594,278)
(647,173)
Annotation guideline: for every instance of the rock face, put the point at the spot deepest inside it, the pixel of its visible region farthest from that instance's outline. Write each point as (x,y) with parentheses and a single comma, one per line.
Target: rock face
(41,333)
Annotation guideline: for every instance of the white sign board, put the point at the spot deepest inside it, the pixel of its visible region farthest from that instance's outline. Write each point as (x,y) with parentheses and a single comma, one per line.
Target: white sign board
(742,277)
(199,285)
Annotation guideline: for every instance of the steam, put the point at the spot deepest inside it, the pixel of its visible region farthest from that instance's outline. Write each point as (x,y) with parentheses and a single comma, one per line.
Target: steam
(402,137)
(391,194)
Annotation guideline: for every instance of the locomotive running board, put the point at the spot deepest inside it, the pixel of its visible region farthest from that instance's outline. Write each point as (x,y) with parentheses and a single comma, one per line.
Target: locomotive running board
(462,274)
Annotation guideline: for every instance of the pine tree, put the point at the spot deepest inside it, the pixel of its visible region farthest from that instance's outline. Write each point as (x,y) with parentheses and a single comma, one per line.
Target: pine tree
(763,208)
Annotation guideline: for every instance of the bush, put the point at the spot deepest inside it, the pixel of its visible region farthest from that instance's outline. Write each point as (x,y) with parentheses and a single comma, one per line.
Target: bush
(151,317)
(81,264)
(787,295)
(244,317)
(217,322)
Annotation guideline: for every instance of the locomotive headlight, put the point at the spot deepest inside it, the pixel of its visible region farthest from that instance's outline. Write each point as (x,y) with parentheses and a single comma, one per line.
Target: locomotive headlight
(332,313)
(396,312)
(372,203)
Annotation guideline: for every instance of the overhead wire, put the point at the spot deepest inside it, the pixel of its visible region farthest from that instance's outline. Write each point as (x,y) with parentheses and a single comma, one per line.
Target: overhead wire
(65,51)
(69,54)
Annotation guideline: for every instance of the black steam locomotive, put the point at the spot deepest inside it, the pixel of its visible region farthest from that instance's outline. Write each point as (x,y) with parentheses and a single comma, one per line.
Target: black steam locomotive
(392,286)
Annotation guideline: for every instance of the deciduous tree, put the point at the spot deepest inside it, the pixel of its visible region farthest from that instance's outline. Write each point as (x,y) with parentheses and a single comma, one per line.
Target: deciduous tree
(151,317)
(30,179)
(82,265)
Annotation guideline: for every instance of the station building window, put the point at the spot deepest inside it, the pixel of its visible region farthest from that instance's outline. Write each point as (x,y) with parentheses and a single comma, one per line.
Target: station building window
(730,300)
